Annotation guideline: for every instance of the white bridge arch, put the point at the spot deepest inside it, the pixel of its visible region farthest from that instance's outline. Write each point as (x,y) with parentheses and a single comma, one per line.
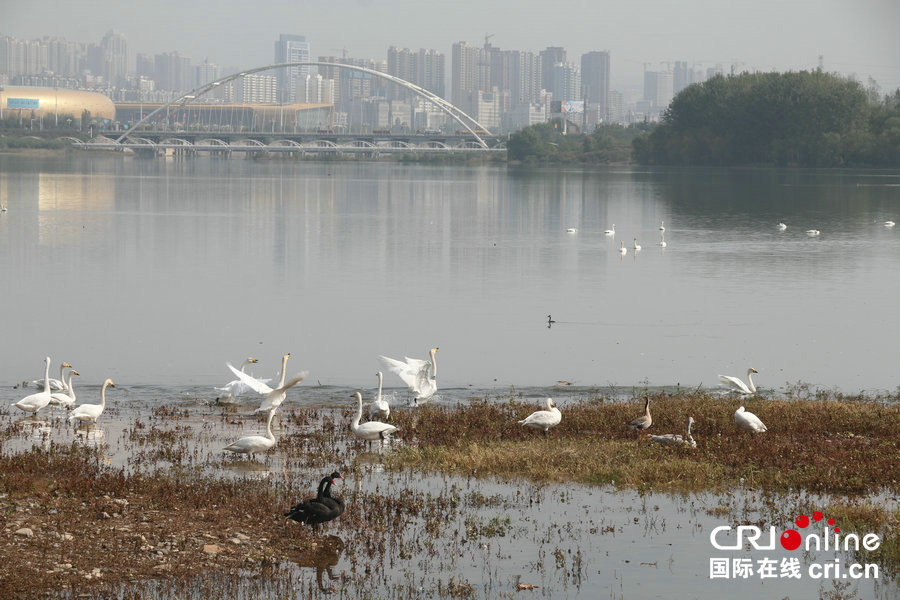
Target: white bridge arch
(458,115)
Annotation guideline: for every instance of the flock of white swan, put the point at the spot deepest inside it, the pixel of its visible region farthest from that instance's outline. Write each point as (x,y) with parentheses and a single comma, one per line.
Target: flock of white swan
(623,250)
(420,376)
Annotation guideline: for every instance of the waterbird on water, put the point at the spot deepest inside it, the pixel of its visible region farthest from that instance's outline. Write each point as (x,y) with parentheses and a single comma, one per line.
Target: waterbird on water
(379,409)
(91,412)
(36,402)
(739,386)
(321,509)
(419,375)
(373,430)
(251,444)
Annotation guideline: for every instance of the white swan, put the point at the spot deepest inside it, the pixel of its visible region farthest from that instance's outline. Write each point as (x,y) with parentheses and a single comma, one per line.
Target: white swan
(676,439)
(91,412)
(379,409)
(235,388)
(373,430)
(274,397)
(749,421)
(56,385)
(543,419)
(739,386)
(36,402)
(782,227)
(622,249)
(610,231)
(812,232)
(889,223)
(254,443)
(662,240)
(67,398)
(419,375)
(572,230)
(637,247)
(662,226)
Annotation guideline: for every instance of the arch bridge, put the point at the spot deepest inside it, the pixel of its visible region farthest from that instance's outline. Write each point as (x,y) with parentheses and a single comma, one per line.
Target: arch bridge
(464,120)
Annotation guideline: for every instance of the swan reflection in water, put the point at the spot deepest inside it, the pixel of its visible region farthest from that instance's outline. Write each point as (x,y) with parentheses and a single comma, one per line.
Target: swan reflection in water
(90,435)
(323,555)
(36,430)
(250,469)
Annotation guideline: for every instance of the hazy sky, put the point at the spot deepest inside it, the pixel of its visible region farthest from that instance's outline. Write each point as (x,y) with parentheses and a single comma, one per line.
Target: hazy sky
(855,37)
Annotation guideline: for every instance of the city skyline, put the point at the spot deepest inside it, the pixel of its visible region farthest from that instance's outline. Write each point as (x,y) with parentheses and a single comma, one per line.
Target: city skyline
(856,40)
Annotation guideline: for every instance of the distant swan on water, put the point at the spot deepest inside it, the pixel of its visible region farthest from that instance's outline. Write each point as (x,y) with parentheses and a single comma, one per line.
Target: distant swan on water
(782,227)
(739,386)
(623,249)
(610,231)
(812,232)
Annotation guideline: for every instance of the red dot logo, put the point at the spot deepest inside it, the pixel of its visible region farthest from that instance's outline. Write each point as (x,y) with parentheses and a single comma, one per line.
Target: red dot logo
(790,539)
(802,521)
(817,516)
(837,529)
(831,521)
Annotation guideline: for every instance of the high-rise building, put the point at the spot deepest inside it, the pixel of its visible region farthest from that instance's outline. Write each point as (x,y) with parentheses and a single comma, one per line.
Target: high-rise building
(430,71)
(317,90)
(115,58)
(401,62)
(550,57)
(145,66)
(566,79)
(256,89)
(658,88)
(470,73)
(173,71)
(424,68)
(524,78)
(681,76)
(595,80)
(291,49)
(205,72)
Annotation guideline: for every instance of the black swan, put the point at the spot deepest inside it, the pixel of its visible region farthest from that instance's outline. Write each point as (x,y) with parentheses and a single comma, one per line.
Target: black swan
(321,509)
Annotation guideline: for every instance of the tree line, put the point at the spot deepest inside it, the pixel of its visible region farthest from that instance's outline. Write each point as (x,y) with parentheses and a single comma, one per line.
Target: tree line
(804,119)
(551,143)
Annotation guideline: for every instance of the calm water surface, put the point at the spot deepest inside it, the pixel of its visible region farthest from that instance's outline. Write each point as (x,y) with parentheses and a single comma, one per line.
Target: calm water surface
(157,272)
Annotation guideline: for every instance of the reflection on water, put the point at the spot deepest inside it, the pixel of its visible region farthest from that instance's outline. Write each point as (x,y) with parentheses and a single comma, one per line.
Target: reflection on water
(37,431)
(185,265)
(90,435)
(323,556)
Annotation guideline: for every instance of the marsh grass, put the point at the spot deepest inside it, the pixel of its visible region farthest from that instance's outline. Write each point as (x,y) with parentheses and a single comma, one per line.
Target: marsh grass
(819,445)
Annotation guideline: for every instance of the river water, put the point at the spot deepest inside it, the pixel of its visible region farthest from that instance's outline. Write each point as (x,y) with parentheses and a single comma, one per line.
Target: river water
(156,272)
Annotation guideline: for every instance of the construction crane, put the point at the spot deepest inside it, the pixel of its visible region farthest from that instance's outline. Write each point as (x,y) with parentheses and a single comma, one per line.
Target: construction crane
(343,52)
(487,37)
